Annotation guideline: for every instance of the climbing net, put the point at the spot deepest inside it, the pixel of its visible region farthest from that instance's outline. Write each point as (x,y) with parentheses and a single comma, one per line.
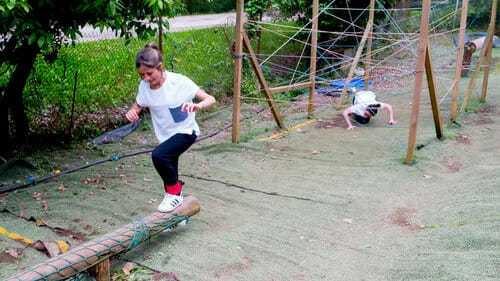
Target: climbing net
(393,54)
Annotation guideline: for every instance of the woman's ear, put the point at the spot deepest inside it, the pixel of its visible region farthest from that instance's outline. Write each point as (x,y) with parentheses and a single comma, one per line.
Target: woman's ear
(160,66)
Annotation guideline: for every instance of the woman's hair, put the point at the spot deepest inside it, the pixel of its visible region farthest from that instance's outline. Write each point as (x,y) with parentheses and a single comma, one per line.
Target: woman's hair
(149,56)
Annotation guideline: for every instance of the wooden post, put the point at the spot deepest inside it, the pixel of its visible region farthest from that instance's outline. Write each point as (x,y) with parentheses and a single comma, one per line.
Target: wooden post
(238,63)
(369,45)
(314,46)
(460,56)
(429,73)
(355,61)
(419,77)
(486,71)
(489,50)
(262,80)
(102,270)
(489,37)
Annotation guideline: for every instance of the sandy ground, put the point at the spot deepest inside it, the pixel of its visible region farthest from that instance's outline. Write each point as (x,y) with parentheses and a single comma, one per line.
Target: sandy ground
(318,203)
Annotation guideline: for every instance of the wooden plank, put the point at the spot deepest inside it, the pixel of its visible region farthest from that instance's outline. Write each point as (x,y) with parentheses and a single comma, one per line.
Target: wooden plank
(368,58)
(429,72)
(287,88)
(486,73)
(489,50)
(314,47)
(419,77)
(460,56)
(491,30)
(355,61)
(101,271)
(262,80)
(237,72)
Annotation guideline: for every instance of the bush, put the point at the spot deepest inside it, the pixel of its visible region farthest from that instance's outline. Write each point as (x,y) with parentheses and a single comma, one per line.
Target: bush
(205,7)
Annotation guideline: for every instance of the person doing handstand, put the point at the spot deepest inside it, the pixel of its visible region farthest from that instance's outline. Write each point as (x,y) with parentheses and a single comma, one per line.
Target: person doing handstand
(364,107)
(169,97)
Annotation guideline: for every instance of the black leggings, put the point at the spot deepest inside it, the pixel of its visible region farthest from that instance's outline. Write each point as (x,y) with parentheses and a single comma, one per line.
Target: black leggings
(166,156)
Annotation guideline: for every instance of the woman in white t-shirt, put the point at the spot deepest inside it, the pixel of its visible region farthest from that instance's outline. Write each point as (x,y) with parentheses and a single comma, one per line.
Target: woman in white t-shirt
(169,97)
(364,107)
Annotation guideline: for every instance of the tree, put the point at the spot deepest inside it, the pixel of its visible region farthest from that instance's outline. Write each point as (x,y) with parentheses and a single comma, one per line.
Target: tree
(32,27)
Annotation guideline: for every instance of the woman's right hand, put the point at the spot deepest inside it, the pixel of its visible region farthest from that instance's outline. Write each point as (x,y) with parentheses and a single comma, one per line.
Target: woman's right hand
(132,115)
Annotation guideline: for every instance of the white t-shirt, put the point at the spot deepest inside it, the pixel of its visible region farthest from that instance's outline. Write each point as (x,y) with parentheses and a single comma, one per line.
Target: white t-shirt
(165,105)
(362,100)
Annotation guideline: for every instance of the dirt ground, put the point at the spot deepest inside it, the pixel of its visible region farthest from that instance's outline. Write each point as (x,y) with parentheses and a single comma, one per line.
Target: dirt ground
(317,203)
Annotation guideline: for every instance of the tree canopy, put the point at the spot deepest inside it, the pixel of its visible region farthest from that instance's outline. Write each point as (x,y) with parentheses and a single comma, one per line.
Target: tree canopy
(29,28)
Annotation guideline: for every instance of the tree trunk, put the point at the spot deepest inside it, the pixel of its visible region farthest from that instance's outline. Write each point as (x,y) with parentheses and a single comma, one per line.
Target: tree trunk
(14,91)
(5,144)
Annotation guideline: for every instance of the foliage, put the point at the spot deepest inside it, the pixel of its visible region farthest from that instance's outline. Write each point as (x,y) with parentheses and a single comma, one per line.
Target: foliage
(253,8)
(29,28)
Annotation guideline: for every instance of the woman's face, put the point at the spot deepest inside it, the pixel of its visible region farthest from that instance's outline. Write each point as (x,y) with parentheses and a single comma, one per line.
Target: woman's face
(152,75)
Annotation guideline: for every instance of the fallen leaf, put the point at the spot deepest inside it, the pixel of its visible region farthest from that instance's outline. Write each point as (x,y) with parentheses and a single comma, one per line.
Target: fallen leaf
(91,193)
(127,268)
(62,187)
(4,201)
(151,201)
(14,252)
(349,221)
(315,152)
(22,213)
(147,180)
(115,276)
(427,177)
(40,222)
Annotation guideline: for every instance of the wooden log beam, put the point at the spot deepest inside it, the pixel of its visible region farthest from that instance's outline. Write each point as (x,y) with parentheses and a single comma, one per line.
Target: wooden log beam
(429,73)
(102,248)
(287,88)
(262,80)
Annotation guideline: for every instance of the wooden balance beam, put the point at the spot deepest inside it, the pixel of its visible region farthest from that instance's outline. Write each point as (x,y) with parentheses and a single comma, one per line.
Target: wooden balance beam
(95,254)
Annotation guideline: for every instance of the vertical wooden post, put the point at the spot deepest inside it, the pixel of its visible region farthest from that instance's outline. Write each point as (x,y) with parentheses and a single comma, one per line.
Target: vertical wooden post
(489,50)
(460,56)
(262,79)
(102,270)
(429,73)
(369,44)
(486,71)
(491,31)
(419,77)
(238,63)
(314,46)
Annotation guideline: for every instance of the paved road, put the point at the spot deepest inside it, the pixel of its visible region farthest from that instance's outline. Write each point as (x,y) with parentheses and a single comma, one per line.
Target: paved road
(176,24)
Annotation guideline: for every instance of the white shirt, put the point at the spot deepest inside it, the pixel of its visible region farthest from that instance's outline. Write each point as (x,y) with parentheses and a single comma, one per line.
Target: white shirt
(165,105)
(362,100)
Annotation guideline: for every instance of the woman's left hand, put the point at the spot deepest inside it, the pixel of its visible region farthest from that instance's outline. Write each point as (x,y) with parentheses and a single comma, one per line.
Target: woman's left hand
(190,107)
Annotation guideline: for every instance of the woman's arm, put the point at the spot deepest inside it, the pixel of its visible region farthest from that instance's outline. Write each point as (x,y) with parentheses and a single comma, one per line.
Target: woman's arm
(391,114)
(133,113)
(206,100)
(346,114)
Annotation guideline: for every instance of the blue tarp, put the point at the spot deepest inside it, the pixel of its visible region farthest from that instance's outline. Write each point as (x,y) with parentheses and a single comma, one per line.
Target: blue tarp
(338,85)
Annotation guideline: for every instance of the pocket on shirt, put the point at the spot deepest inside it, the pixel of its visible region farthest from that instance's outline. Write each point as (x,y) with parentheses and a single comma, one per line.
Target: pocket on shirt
(177,114)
